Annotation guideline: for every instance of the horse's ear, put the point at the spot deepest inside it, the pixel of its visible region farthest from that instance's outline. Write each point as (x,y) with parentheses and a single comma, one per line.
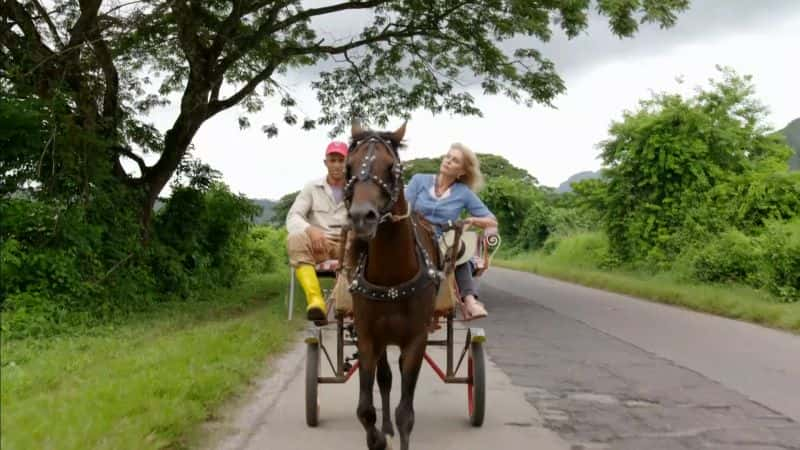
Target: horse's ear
(355,128)
(397,135)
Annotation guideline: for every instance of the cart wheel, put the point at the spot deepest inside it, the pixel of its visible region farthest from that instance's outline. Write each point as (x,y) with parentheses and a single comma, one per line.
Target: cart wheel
(312,385)
(476,388)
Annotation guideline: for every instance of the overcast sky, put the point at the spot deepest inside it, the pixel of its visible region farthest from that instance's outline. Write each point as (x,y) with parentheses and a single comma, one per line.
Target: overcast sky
(604,76)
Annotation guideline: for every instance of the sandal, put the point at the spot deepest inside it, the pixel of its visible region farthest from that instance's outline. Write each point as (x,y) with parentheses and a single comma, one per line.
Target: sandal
(474,309)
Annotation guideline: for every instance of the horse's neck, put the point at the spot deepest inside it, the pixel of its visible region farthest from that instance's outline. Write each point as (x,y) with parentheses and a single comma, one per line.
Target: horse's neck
(392,248)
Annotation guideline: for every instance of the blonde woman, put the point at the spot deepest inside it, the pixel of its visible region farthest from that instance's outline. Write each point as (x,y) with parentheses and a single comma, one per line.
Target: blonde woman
(442,197)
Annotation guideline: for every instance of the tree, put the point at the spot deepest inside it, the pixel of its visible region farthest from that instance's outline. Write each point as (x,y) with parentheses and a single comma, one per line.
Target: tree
(281,209)
(668,161)
(492,166)
(521,210)
(410,54)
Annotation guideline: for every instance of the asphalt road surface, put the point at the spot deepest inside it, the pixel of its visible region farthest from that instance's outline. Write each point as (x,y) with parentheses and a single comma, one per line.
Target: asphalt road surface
(569,368)
(611,371)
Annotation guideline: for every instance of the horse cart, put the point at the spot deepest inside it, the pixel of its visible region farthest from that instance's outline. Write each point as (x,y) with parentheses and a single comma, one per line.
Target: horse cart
(328,363)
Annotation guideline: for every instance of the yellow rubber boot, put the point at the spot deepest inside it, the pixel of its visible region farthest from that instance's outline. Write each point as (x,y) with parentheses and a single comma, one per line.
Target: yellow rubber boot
(315,309)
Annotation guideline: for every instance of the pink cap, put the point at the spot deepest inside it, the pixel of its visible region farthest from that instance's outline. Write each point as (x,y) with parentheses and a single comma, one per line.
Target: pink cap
(337,147)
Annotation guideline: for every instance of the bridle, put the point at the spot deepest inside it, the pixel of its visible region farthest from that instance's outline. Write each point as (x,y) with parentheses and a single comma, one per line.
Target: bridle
(427,274)
(364,173)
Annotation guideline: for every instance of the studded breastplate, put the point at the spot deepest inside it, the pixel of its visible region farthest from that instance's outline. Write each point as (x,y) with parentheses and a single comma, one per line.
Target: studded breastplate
(426,275)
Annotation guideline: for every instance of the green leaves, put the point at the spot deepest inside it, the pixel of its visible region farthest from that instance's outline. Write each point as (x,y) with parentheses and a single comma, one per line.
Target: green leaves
(681,159)
(397,56)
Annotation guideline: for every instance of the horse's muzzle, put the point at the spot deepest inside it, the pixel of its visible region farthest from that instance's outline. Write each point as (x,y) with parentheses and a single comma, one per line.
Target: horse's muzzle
(364,218)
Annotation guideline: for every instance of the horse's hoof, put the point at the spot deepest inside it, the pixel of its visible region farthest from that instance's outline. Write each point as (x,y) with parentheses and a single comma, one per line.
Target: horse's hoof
(388,441)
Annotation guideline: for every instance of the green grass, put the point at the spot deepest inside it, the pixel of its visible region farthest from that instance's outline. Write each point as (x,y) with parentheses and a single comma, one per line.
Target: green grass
(733,301)
(145,384)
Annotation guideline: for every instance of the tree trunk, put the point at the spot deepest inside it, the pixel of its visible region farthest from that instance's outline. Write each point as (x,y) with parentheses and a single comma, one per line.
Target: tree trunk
(176,142)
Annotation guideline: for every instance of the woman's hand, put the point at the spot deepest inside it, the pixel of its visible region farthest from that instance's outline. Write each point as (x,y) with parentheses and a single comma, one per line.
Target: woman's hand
(468,222)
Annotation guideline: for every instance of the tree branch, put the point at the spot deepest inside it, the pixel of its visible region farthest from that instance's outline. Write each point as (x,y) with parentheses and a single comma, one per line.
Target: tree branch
(244,45)
(215,88)
(128,153)
(216,106)
(82,28)
(187,34)
(309,13)
(270,26)
(358,72)
(111,94)
(22,18)
(225,29)
(46,16)
(123,5)
(336,50)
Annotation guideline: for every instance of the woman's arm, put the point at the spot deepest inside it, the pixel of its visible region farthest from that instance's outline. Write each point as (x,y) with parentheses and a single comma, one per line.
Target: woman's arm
(480,216)
(411,190)
(481,222)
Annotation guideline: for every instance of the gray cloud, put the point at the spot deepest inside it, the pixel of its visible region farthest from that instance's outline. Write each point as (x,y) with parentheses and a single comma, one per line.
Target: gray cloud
(706,19)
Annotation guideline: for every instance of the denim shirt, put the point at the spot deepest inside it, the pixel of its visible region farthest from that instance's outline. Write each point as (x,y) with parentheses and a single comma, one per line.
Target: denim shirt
(449,206)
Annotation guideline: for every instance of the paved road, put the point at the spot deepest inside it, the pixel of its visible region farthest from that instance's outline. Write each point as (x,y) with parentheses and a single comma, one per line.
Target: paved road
(570,368)
(273,418)
(610,371)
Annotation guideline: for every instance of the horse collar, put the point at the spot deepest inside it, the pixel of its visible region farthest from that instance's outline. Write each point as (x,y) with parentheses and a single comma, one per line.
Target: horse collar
(425,276)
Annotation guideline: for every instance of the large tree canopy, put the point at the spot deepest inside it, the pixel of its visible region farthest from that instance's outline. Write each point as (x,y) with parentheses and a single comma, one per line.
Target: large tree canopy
(105,56)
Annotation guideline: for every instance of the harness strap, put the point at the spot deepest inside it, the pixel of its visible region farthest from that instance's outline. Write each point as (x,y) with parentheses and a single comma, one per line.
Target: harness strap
(397,217)
(425,276)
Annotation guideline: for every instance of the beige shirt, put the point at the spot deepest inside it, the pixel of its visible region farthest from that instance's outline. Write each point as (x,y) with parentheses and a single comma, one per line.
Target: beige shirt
(316,206)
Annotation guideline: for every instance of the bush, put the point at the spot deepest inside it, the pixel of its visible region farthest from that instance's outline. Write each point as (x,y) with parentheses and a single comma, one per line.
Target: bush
(71,264)
(781,262)
(770,261)
(573,220)
(536,227)
(731,257)
(71,231)
(265,249)
(521,210)
(706,159)
(587,250)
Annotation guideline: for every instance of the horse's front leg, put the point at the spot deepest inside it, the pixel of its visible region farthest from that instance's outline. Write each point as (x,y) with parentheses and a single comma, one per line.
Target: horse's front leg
(385,385)
(368,359)
(410,363)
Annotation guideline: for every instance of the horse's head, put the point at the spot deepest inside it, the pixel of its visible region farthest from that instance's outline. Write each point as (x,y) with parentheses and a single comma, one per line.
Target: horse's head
(374,178)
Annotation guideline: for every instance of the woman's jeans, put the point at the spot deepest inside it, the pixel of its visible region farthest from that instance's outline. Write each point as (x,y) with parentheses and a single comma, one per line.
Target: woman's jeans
(466,283)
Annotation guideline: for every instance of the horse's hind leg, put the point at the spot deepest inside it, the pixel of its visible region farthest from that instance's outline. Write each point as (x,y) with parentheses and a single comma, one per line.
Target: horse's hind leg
(368,360)
(410,363)
(385,385)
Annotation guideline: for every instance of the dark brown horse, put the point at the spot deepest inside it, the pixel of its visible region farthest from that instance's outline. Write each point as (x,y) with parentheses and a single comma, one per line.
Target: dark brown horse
(394,281)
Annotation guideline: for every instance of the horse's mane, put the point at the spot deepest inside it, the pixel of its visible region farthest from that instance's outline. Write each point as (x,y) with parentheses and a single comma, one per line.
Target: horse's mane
(385,135)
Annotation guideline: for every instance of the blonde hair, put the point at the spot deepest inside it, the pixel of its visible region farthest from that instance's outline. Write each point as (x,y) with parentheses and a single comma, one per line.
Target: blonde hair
(472,177)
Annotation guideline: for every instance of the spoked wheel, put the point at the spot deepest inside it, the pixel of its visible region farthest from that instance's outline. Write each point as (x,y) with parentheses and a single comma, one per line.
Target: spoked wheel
(476,388)
(312,385)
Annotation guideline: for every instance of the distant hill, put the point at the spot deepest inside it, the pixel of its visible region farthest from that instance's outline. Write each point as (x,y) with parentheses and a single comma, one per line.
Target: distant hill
(267,206)
(580,176)
(792,133)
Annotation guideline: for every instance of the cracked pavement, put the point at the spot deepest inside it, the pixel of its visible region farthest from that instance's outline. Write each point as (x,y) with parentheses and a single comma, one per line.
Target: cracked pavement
(600,386)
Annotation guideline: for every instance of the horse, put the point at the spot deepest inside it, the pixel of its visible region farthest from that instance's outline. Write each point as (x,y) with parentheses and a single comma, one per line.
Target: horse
(395,280)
